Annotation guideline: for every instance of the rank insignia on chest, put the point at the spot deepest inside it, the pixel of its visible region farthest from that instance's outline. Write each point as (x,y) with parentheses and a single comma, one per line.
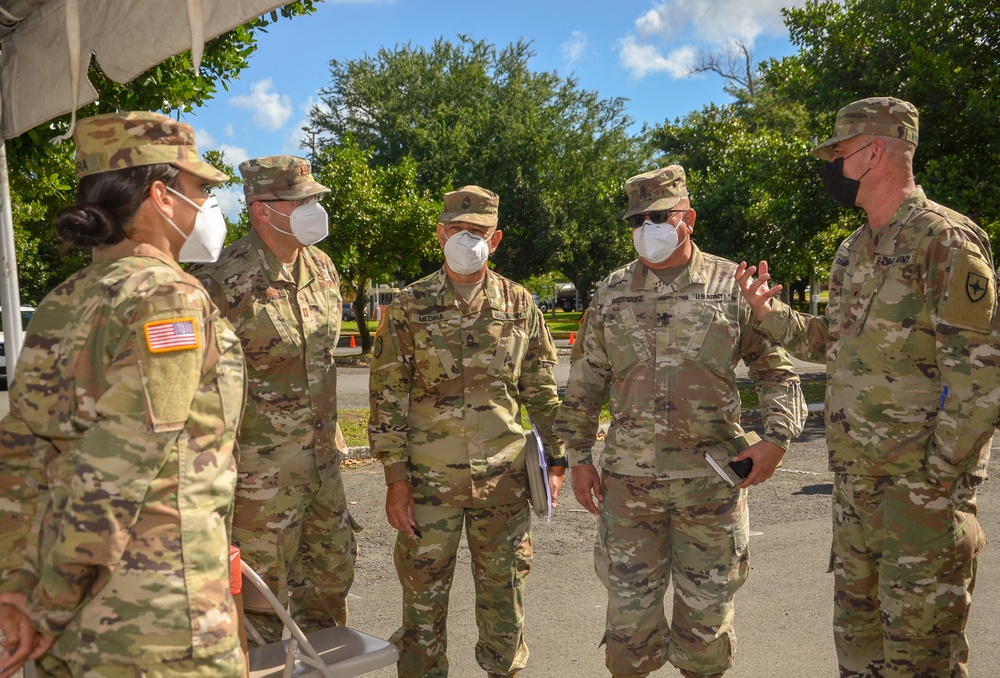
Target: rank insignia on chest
(663,319)
(177,334)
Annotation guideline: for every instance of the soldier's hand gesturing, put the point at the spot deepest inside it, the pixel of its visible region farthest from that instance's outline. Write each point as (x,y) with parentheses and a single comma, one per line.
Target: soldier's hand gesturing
(757,292)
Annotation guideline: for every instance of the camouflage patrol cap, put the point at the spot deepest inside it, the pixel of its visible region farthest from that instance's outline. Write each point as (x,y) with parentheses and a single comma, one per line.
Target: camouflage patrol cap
(471,204)
(659,189)
(879,116)
(115,141)
(279,177)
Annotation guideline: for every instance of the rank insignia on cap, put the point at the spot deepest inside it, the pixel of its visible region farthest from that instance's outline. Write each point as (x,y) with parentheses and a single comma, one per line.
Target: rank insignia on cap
(177,334)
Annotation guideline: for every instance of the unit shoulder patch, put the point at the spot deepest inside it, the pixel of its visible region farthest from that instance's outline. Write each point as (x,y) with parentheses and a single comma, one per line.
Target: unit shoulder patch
(970,300)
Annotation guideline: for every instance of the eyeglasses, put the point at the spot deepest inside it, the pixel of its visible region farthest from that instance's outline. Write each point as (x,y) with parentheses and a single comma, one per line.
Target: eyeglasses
(657,217)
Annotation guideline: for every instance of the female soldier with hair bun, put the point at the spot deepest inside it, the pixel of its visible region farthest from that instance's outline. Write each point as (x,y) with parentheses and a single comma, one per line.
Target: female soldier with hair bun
(117,460)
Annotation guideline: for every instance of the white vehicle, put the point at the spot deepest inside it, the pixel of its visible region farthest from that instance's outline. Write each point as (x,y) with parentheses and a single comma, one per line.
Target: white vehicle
(26,312)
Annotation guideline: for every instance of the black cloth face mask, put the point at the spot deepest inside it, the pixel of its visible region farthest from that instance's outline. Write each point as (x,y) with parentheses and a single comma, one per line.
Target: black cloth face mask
(842,190)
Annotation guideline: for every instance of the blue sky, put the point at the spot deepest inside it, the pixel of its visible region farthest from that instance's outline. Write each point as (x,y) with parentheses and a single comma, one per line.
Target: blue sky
(641,50)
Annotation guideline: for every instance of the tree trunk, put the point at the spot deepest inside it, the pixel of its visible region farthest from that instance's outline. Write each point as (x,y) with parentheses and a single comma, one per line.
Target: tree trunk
(361,313)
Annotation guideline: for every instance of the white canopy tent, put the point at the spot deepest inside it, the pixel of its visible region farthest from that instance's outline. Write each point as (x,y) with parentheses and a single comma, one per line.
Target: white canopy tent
(45,50)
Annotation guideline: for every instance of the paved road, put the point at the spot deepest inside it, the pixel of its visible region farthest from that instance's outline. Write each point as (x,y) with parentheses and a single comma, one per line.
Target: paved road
(783,614)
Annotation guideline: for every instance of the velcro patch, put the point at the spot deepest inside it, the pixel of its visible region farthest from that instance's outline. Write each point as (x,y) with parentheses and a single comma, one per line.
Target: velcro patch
(176,334)
(971,298)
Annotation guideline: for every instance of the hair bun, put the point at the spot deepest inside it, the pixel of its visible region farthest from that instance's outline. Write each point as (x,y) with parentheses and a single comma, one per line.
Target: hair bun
(86,225)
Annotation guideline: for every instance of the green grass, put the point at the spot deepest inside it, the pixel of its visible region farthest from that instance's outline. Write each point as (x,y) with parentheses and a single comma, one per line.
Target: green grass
(814,391)
(354,424)
(351,326)
(564,321)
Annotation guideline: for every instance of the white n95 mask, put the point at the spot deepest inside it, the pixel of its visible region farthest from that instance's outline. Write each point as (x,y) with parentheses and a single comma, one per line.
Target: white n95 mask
(655,242)
(309,222)
(205,242)
(466,252)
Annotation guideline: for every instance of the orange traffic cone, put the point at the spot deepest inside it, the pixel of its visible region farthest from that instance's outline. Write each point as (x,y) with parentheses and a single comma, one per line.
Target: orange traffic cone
(354,344)
(572,338)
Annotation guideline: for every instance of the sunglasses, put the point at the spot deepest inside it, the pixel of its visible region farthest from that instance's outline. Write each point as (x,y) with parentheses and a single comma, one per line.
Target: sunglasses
(657,217)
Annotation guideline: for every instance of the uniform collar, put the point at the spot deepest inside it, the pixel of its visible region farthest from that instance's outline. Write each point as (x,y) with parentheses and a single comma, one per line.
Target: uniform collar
(692,274)
(274,270)
(131,248)
(886,238)
(446,293)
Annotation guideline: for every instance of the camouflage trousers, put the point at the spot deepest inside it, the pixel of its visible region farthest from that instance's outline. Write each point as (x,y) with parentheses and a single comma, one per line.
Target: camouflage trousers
(300,540)
(500,545)
(229,664)
(904,563)
(693,531)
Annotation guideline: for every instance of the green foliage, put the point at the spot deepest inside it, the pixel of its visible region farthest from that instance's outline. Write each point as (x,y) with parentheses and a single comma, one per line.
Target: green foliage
(42,176)
(944,57)
(381,223)
(234,229)
(754,186)
(469,113)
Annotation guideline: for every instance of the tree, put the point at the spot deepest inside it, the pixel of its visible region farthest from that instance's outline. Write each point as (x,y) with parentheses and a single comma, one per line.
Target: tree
(381,223)
(42,176)
(468,113)
(944,57)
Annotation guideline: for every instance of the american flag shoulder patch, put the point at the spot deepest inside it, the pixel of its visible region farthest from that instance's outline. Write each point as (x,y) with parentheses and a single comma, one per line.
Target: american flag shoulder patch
(176,334)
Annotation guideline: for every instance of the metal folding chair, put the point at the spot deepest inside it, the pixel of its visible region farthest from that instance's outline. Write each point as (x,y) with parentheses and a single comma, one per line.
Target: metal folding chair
(334,652)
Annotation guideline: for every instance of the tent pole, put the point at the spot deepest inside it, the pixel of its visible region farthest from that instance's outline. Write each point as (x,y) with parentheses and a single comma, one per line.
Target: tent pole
(10,300)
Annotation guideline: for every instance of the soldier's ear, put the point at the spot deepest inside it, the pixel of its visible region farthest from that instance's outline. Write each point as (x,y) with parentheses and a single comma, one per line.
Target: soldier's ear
(690,218)
(163,200)
(495,240)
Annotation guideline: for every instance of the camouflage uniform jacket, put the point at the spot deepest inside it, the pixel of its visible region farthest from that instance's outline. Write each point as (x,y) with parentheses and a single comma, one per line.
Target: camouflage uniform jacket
(669,353)
(117,463)
(906,339)
(447,387)
(288,318)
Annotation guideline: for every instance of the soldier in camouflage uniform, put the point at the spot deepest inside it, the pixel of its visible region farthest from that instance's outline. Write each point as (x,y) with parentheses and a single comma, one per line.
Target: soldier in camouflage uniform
(117,460)
(911,399)
(282,295)
(457,355)
(666,333)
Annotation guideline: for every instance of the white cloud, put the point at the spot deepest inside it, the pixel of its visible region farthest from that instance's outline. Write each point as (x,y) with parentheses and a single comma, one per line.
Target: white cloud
(574,48)
(362,2)
(641,60)
(230,201)
(233,155)
(686,26)
(230,130)
(204,140)
(270,109)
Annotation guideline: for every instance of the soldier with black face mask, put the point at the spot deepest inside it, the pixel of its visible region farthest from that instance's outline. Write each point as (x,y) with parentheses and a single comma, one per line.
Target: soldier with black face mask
(910,344)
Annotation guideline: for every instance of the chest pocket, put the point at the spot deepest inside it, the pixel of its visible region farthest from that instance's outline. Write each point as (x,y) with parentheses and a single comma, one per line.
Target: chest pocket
(889,315)
(434,362)
(272,337)
(511,346)
(625,341)
(714,341)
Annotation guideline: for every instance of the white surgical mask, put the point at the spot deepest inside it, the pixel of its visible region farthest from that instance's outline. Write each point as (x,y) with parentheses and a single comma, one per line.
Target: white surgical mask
(309,222)
(655,242)
(203,244)
(466,252)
